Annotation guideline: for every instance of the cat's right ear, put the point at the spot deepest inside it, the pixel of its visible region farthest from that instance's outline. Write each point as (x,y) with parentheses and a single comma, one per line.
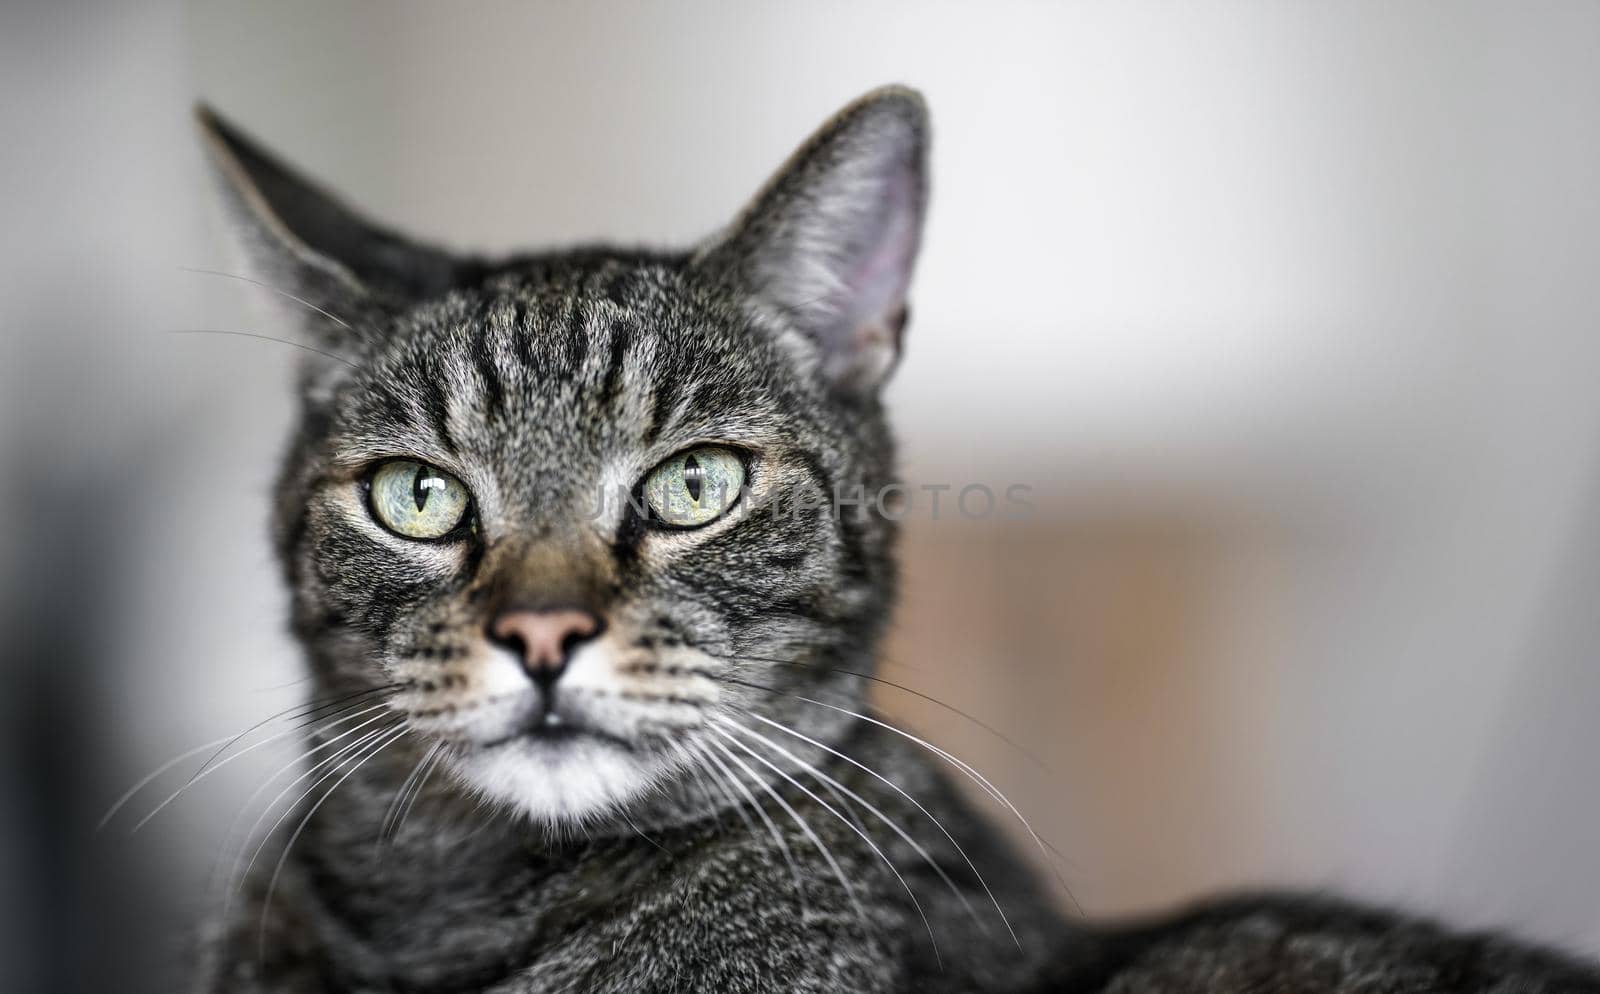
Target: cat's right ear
(827,248)
(301,240)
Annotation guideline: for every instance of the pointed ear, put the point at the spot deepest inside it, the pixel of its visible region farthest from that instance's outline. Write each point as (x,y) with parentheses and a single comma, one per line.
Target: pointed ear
(301,240)
(828,245)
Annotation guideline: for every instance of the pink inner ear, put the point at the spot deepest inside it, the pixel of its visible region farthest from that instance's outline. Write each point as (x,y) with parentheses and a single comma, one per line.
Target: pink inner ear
(832,242)
(876,285)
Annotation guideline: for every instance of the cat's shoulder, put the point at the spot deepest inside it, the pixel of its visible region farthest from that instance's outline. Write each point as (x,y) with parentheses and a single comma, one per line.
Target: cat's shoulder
(1316,945)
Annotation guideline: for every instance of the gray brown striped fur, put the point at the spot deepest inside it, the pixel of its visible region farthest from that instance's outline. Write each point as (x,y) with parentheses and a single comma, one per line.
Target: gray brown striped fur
(627,859)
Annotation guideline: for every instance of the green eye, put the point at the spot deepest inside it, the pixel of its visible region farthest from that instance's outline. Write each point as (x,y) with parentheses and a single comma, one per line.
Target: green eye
(416,500)
(695,487)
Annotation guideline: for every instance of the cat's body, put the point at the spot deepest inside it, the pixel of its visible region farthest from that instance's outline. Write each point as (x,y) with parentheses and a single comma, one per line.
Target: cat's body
(454,905)
(585,722)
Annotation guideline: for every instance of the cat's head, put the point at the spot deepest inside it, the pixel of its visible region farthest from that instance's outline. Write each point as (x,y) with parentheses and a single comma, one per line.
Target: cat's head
(579,511)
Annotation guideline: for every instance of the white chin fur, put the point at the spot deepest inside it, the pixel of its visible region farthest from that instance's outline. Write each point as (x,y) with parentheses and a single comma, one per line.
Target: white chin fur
(559,783)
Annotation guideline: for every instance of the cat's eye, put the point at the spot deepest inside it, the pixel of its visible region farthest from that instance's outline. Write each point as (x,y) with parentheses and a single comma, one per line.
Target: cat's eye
(695,487)
(416,500)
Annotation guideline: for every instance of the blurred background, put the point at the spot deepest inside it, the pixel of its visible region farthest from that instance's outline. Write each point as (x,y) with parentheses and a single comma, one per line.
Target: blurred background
(1288,313)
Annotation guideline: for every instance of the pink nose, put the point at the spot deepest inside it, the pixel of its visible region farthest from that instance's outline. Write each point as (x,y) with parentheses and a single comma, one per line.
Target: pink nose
(544,639)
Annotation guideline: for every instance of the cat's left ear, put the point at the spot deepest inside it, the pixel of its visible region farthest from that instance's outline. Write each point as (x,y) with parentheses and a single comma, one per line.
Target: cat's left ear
(828,245)
(303,240)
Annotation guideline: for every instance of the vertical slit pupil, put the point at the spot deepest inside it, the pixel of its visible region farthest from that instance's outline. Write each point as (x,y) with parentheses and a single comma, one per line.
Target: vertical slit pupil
(693,475)
(421,484)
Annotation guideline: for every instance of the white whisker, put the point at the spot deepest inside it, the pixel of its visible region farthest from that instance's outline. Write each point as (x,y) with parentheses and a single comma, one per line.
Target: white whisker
(336,319)
(894,826)
(153,775)
(416,791)
(800,822)
(974,775)
(277,871)
(401,795)
(225,855)
(731,800)
(783,846)
(845,821)
(239,876)
(899,790)
(242,752)
(305,709)
(696,767)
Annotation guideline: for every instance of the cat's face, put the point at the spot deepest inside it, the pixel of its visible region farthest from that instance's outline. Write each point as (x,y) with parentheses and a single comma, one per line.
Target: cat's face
(578,512)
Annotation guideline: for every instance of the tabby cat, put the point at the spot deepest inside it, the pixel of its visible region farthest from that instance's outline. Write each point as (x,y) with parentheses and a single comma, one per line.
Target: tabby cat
(590,675)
